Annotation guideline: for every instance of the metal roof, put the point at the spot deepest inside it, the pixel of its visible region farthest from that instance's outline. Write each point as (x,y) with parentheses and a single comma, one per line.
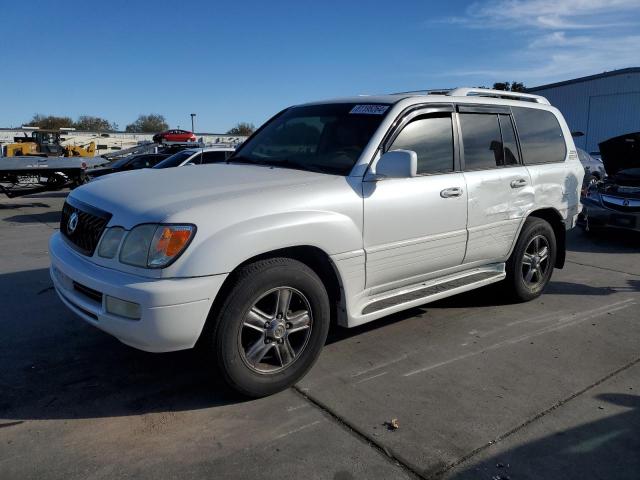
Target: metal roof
(612,73)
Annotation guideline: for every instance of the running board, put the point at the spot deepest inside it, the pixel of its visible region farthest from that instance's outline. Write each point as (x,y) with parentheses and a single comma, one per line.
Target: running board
(408,298)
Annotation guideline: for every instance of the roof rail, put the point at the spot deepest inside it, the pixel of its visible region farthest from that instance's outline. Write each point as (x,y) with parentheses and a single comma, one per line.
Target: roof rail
(433,91)
(487,92)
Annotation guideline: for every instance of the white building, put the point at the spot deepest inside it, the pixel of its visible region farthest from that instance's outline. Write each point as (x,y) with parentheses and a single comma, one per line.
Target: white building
(601,106)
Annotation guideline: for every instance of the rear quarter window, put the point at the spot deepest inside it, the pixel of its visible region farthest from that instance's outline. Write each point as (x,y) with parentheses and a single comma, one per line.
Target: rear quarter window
(541,138)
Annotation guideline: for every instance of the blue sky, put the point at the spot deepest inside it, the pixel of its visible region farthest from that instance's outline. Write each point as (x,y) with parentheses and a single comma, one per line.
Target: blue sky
(244,61)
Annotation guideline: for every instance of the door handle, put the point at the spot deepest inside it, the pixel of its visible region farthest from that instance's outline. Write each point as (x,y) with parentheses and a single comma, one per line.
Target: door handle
(451,192)
(519,183)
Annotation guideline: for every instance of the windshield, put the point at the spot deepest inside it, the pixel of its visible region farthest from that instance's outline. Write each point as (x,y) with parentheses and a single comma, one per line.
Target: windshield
(176,159)
(121,162)
(324,138)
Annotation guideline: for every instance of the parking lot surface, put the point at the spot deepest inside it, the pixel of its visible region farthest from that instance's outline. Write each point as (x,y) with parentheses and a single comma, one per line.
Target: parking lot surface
(480,388)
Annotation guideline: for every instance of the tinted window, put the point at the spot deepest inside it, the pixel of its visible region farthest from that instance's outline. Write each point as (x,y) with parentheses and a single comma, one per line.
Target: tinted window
(141,162)
(482,141)
(511,156)
(326,138)
(214,157)
(175,159)
(541,138)
(155,159)
(432,139)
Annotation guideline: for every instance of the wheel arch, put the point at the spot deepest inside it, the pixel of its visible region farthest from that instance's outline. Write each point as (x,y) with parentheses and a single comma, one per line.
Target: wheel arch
(313,257)
(554,218)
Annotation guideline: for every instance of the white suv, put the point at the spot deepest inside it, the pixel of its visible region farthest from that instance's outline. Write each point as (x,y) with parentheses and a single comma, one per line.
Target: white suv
(343,211)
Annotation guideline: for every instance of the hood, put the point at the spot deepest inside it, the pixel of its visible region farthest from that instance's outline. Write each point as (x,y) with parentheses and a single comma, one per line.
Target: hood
(156,195)
(621,153)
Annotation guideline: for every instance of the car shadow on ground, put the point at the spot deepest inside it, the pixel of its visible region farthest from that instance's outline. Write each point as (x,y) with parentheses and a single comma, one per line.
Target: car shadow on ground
(54,194)
(569,288)
(590,450)
(45,217)
(55,366)
(7,206)
(603,241)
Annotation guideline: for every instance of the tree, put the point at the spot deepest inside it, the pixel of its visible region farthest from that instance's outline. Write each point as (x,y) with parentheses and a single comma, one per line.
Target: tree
(509,86)
(50,122)
(242,128)
(94,124)
(148,124)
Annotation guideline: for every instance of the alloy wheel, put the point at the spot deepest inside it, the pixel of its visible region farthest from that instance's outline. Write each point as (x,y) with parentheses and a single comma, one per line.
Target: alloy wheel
(275,330)
(535,261)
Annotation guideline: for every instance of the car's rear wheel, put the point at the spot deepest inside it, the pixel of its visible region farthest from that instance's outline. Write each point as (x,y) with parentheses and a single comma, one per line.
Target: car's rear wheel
(271,327)
(531,264)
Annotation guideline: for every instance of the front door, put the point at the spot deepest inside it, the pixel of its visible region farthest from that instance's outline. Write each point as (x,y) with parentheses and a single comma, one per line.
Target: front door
(415,226)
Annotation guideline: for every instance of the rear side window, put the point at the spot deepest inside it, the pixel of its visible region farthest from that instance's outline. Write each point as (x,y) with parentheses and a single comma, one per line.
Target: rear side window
(540,135)
(156,159)
(214,157)
(482,141)
(432,140)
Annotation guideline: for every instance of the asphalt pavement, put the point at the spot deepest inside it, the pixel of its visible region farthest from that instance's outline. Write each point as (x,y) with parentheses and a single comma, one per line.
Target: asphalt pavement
(479,388)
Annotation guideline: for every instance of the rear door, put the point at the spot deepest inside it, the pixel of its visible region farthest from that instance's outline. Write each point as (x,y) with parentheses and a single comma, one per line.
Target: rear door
(417,226)
(215,156)
(499,186)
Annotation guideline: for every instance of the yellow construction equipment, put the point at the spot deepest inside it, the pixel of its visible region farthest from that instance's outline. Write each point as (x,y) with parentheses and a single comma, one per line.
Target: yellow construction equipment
(46,143)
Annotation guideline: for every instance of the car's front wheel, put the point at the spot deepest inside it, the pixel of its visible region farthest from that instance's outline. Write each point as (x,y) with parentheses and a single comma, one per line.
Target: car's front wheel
(271,327)
(531,263)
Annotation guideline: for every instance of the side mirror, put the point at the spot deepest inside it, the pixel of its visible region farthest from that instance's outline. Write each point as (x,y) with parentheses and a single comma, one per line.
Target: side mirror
(396,164)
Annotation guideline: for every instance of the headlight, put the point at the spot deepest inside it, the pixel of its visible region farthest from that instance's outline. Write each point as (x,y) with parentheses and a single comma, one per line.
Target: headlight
(155,246)
(110,242)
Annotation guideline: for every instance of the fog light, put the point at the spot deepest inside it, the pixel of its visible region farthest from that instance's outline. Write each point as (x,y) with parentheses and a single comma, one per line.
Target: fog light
(123,308)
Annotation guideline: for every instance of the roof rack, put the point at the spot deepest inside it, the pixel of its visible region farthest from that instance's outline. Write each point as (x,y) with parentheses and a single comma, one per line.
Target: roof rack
(433,91)
(487,92)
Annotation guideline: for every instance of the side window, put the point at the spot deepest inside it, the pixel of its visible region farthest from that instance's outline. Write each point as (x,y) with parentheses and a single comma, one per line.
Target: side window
(482,141)
(140,163)
(153,161)
(214,157)
(541,138)
(511,156)
(196,159)
(432,140)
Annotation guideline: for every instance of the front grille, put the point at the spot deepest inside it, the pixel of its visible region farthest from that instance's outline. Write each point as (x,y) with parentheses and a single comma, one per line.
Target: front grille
(88,228)
(88,292)
(618,204)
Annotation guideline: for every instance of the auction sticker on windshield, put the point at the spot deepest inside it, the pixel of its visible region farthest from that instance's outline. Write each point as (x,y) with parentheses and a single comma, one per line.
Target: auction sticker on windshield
(370,109)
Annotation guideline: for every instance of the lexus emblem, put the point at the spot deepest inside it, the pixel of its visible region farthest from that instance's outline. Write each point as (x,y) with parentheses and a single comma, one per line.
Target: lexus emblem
(72,224)
(625,202)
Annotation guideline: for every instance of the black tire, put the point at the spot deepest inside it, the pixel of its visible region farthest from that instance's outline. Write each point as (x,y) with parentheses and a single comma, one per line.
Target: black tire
(248,285)
(519,289)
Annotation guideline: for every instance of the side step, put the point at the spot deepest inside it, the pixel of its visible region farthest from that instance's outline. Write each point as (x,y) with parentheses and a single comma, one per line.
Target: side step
(427,293)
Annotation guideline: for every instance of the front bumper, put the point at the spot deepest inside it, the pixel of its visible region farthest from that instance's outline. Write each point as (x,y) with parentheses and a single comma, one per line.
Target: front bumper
(173,311)
(595,215)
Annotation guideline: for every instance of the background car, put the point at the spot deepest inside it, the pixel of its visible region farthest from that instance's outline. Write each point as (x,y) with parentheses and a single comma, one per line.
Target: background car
(174,136)
(615,201)
(133,162)
(594,170)
(197,156)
